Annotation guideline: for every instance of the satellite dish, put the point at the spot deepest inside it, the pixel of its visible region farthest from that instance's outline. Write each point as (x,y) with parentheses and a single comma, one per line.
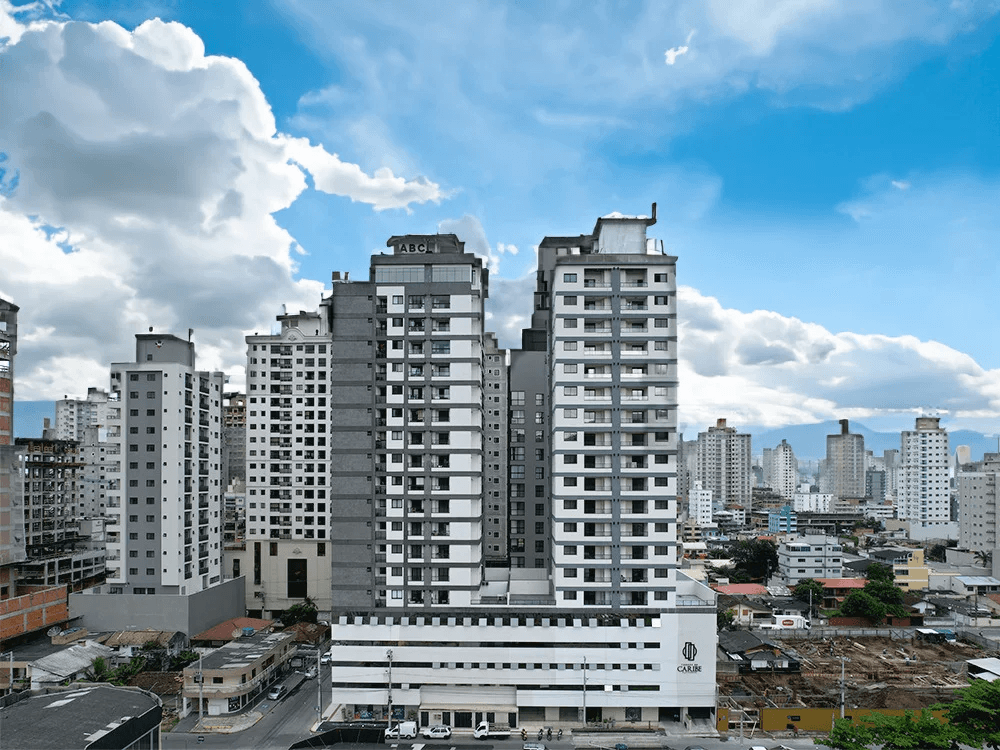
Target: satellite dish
(53,631)
(237,633)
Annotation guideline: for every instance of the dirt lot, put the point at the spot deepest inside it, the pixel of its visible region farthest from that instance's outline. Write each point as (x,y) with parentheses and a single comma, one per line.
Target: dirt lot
(880,673)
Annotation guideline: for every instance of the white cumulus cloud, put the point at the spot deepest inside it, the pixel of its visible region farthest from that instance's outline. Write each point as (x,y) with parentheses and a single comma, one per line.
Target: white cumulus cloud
(140,184)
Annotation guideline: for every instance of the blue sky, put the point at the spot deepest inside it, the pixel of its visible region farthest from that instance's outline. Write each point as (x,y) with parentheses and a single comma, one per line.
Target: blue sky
(827,174)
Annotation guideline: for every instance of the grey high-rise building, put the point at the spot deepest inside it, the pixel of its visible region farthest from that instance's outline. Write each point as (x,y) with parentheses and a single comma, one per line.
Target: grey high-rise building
(234,438)
(530,507)
(843,474)
(496,433)
(11,500)
(724,464)
(8,349)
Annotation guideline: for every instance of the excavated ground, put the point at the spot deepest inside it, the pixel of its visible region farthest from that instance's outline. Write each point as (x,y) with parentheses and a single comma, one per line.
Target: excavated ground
(881,673)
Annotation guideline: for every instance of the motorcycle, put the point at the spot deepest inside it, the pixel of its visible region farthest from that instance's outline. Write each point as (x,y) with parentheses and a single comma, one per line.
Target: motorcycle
(559,735)
(540,735)
(548,733)
(524,734)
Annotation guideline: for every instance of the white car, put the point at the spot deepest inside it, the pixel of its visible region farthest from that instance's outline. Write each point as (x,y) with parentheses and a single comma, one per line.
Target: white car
(436,732)
(277,692)
(325,659)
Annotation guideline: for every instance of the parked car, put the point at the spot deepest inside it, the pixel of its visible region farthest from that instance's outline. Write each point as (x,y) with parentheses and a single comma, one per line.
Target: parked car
(310,673)
(277,692)
(436,732)
(325,658)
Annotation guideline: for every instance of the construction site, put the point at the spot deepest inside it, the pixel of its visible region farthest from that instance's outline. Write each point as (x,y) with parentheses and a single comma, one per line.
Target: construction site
(864,672)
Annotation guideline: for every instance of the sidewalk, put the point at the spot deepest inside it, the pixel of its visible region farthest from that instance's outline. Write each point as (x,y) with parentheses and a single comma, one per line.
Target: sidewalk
(217,724)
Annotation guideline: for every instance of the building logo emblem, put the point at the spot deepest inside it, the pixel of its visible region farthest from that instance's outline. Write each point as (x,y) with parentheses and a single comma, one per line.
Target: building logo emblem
(689,651)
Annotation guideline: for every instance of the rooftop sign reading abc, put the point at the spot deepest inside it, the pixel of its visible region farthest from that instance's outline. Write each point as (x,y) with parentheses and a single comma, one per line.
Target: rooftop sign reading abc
(423,246)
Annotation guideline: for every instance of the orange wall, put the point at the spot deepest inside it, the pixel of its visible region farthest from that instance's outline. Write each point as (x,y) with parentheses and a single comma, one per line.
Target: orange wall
(33,611)
(807,719)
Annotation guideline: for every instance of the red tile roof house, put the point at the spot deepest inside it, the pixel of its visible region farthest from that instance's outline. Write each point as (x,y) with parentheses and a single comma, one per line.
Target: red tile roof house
(223,632)
(836,589)
(746,589)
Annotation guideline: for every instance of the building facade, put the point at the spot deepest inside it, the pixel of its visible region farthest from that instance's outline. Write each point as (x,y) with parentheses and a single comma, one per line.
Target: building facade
(288,466)
(8,350)
(810,556)
(977,505)
(11,500)
(724,464)
(234,438)
(496,434)
(164,493)
(781,469)
(57,550)
(924,488)
(843,473)
(592,492)
(700,505)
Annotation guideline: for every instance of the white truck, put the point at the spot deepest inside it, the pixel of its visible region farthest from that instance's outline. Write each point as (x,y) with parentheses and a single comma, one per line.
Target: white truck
(484,730)
(402,730)
(787,622)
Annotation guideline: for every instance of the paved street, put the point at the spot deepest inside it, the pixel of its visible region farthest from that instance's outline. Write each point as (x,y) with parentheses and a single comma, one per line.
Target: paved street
(284,723)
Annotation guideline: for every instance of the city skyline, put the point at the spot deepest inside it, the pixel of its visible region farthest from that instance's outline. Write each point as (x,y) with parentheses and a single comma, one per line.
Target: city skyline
(830,202)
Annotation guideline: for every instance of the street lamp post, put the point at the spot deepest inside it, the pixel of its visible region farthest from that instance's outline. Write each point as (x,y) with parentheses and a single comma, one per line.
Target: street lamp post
(388,655)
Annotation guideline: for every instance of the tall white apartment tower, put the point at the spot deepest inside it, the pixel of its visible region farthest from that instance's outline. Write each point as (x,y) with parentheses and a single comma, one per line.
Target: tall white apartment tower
(75,415)
(924,493)
(700,505)
(164,495)
(606,303)
(723,464)
(287,465)
(781,469)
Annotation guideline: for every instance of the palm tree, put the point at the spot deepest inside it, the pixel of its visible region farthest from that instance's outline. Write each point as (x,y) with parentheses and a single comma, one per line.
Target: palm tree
(984,558)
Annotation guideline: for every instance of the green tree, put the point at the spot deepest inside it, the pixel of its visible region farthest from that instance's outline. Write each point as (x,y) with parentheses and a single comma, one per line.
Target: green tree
(304,612)
(975,714)
(724,619)
(907,732)
(100,670)
(846,735)
(183,659)
(984,558)
(862,604)
(757,558)
(880,572)
(808,586)
(936,553)
(888,593)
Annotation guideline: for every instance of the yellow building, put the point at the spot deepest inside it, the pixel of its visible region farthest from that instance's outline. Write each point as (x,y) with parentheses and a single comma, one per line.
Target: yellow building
(908,565)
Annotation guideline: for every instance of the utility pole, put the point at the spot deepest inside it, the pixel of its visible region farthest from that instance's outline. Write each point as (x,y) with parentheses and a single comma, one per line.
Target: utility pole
(201,689)
(388,655)
(843,661)
(319,688)
(585,691)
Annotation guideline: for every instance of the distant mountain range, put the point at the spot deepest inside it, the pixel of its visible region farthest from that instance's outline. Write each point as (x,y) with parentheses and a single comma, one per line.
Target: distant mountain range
(809,440)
